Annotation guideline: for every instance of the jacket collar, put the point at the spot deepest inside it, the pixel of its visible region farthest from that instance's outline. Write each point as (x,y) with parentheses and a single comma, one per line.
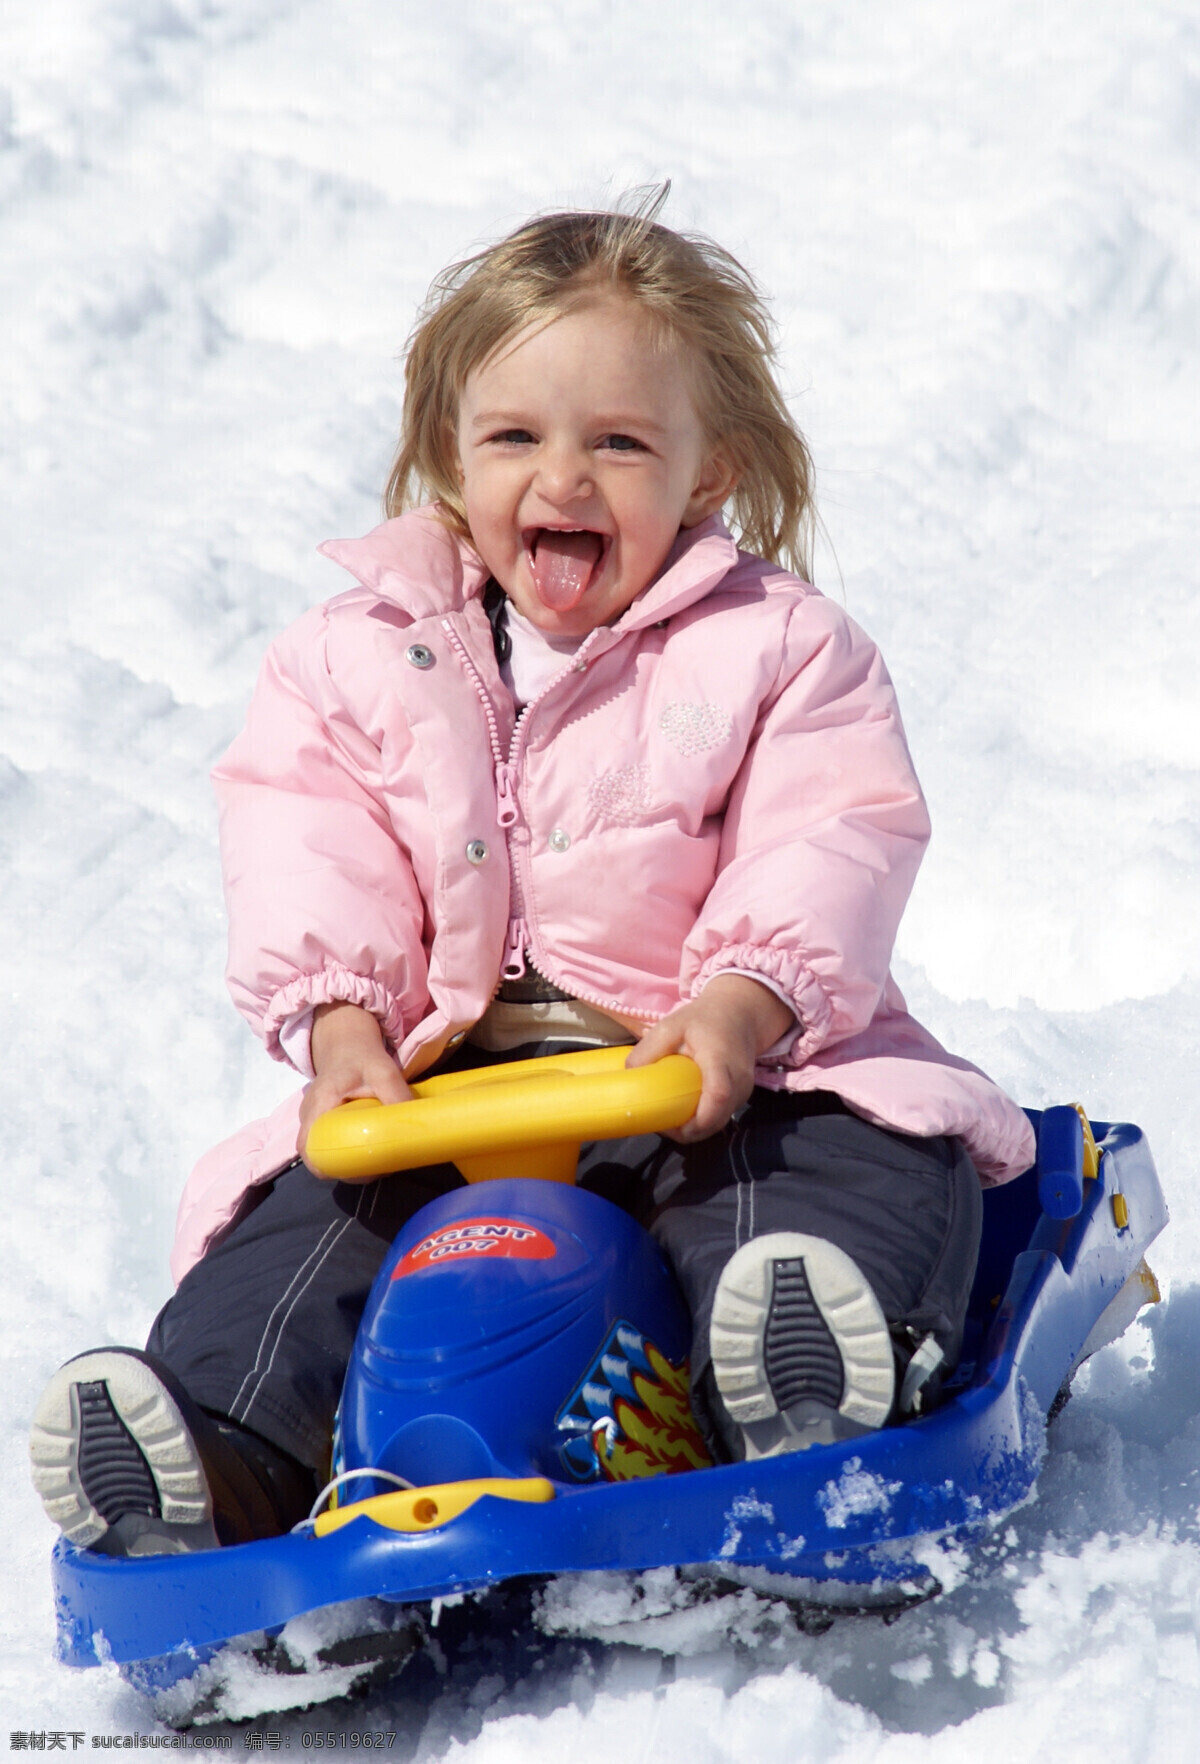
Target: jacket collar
(414,561)
(697,561)
(419,564)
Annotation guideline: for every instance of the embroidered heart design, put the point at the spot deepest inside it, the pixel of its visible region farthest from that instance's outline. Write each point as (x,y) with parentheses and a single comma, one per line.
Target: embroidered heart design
(623,795)
(694,728)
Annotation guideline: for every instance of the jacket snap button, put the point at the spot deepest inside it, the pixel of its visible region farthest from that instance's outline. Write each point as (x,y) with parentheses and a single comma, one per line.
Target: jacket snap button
(419,656)
(559,840)
(476,851)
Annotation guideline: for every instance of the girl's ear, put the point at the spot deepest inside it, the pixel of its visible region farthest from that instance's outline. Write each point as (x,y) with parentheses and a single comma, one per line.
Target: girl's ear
(716,483)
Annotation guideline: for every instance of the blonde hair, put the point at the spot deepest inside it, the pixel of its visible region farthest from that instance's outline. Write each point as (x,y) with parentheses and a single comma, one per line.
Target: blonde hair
(698,296)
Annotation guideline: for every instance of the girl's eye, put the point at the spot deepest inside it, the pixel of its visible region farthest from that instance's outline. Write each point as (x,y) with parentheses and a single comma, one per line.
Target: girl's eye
(514,437)
(622,444)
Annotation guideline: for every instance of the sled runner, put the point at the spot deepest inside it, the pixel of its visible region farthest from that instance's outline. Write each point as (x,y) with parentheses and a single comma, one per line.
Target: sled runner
(522,1363)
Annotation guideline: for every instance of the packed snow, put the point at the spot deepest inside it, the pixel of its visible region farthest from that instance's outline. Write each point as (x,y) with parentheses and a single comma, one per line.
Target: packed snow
(979,226)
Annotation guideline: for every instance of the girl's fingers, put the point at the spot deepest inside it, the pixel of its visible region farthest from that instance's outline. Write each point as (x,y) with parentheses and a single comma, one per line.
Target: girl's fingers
(724,1088)
(663,1038)
(726,1067)
(381,1080)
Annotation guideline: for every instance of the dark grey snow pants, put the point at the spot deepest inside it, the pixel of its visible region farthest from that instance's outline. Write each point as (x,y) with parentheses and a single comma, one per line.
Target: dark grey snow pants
(262,1329)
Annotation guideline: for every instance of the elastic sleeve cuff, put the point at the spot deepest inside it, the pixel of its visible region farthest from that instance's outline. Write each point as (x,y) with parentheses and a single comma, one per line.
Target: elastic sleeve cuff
(283,1020)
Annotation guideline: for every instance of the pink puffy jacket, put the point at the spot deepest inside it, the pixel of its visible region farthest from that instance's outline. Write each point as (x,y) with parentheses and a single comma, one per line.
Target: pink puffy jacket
(718,780)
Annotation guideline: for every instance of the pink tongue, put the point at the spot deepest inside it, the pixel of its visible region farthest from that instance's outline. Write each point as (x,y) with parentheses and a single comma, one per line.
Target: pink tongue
(562,567)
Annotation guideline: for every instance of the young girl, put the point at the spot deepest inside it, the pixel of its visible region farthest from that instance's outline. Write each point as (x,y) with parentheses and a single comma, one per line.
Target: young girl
(566,767)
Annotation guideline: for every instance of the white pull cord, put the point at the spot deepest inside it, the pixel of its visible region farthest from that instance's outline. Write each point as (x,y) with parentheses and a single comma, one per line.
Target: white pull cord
(349,1476)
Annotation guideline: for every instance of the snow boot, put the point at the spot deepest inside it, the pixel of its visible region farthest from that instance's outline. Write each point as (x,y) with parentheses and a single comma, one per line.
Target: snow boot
(801,1353)
(128,1465)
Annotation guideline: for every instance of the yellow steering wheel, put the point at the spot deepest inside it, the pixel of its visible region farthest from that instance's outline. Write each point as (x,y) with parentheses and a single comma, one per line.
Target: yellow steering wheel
(528,1118)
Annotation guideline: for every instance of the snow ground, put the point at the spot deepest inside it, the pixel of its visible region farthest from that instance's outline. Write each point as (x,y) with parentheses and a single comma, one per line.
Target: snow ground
(980,229)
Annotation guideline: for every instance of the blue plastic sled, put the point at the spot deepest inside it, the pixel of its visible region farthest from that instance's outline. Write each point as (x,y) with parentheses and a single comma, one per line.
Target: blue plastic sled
(510,1341)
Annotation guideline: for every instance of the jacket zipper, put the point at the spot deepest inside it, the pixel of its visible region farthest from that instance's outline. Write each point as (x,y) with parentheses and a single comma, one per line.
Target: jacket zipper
(516,949)
(505,775)
(504,772)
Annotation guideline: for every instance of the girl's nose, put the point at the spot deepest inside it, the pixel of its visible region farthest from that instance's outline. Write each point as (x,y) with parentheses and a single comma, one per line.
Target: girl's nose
(565,475)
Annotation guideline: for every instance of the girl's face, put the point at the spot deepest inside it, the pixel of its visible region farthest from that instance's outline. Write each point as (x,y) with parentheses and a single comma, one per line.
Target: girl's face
(581,455)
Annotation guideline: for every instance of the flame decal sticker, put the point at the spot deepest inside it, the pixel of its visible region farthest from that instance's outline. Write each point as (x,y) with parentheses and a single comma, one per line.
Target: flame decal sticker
(629,1415)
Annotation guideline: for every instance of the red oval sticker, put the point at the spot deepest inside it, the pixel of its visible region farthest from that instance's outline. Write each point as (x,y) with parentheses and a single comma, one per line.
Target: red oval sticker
(471,1240)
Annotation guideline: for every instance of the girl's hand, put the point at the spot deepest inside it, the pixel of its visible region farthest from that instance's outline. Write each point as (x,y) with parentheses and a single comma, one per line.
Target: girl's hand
(349,1059)
(733,1021)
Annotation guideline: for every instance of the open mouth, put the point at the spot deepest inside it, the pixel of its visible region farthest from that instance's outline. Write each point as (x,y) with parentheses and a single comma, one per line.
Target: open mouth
(564,563)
